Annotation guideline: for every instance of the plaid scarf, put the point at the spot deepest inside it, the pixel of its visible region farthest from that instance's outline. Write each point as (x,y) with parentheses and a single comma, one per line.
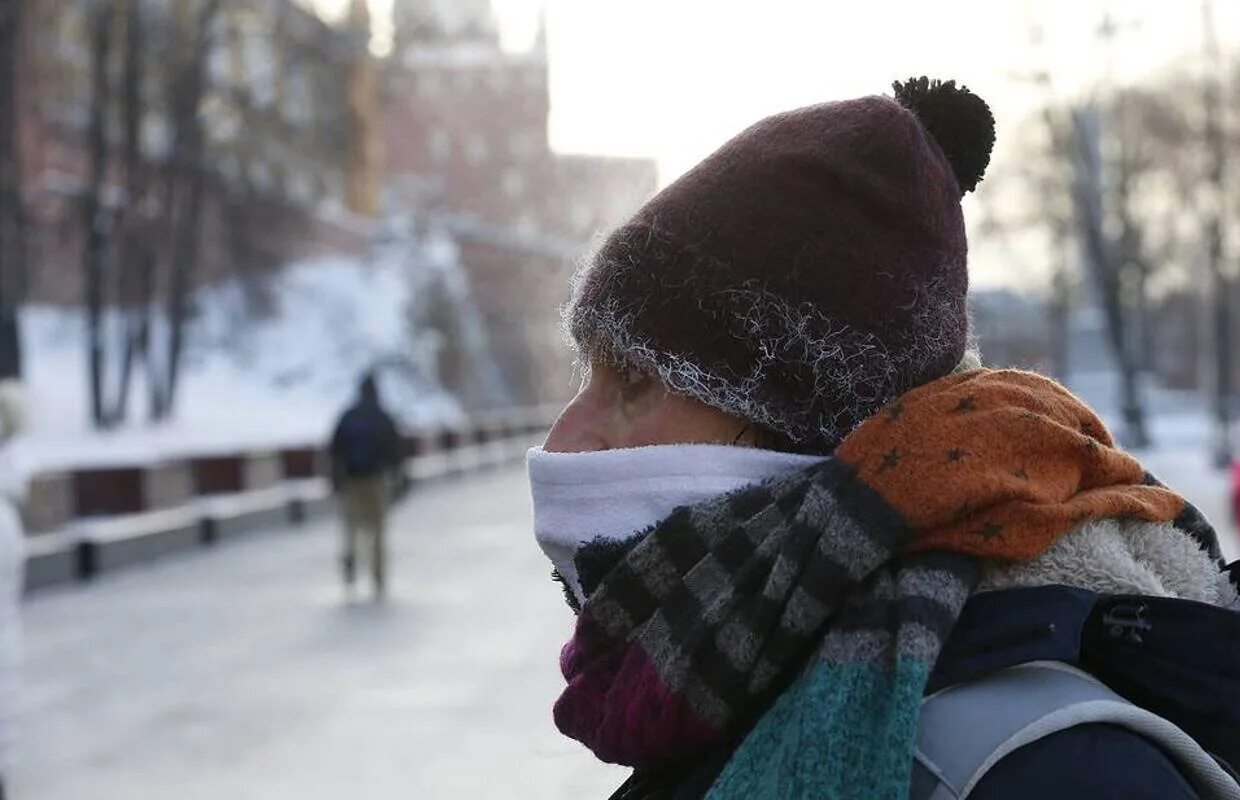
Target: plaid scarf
(802,617)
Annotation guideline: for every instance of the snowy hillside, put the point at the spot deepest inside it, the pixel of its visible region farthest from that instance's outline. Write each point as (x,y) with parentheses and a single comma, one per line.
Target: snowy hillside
(250,383)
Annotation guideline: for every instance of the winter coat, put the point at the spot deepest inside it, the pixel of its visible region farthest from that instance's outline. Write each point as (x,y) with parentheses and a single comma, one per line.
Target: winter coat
(365,442)
(1185,668)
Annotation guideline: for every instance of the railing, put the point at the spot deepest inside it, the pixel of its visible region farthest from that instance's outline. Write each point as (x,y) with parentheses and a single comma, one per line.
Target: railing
(85,521)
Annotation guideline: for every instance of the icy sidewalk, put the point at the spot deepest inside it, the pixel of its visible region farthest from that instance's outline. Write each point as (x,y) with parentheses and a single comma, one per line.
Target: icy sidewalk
(241,672)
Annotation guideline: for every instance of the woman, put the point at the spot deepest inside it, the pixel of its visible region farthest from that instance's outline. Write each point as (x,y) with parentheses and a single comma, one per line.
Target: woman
(815,550)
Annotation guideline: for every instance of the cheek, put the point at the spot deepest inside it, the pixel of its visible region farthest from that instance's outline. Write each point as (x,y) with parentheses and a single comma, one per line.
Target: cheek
(679,420)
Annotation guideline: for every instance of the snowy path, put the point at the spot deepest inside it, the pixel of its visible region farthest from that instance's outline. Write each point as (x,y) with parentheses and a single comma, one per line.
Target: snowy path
(1185,469)
(240,673)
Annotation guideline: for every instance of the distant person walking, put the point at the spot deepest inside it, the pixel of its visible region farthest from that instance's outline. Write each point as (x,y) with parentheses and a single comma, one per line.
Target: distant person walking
(365,454)
(12,488)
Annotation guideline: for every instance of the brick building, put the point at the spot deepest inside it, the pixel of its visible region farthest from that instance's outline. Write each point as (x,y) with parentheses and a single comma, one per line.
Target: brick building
(321,137)
(466,146)
(274,117)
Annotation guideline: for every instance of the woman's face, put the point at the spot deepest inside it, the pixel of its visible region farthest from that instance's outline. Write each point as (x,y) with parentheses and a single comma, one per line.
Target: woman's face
(622,407)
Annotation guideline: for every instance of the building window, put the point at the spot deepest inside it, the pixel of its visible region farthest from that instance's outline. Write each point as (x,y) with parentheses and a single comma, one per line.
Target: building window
(260,68)
(527,224)
(430,84)
(476,149)
(220,64)
(156,135)
(300,188)
(260,174)
(440,145)
(299,105)
(513,183)
(523,144)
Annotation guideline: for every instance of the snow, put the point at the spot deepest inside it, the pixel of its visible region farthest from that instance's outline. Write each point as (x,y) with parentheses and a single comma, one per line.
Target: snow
(1181,455)
(281,380)
(249,384)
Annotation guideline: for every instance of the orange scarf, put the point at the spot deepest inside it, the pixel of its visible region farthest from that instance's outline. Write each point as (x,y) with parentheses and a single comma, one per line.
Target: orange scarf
(1000,464)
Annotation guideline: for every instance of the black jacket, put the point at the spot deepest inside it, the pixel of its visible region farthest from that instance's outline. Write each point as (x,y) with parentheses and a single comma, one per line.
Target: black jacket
(365,442)
(1185,667)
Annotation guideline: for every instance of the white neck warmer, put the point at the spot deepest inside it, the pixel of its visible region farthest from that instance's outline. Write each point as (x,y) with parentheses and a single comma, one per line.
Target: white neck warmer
(612,494)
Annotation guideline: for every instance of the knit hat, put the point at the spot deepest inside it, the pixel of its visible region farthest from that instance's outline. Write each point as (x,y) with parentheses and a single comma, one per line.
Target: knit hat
(809,271)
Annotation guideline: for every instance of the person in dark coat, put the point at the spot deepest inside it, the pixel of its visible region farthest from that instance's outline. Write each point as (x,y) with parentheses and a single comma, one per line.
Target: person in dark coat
(366,453)
(816,550)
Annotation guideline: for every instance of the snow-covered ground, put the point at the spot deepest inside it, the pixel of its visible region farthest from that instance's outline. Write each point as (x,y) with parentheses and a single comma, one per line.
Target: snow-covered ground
(242,672)
(248,383)
(1181,453)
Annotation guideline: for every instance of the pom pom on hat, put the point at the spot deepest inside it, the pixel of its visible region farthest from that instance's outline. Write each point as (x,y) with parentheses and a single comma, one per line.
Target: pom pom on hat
(960,122)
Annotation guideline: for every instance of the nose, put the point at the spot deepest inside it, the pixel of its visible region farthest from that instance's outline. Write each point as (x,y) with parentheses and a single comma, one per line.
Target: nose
(580,428)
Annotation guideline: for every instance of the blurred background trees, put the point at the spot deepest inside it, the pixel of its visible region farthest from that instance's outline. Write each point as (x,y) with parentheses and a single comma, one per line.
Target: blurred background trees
(1125,189)
(162,157)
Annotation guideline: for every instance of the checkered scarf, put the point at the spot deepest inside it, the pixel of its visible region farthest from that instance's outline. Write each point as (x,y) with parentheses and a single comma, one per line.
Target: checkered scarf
(802,617)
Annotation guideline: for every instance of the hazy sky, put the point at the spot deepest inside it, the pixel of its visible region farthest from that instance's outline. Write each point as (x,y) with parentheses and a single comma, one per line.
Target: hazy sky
(673,79)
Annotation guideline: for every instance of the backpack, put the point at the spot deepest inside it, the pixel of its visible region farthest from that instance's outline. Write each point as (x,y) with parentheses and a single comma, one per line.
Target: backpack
(965,730)
(364,442)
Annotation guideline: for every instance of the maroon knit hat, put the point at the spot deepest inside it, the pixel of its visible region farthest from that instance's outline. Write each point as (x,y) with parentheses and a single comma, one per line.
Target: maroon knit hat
(809,271)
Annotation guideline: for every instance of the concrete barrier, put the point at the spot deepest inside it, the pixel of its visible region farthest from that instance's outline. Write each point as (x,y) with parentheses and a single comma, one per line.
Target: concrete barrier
(262,471)
(50,503)
(104,545)
(51,560)
(168,484)
(178,506)
(228,517)
(303,462)
(104,491)
(221,474)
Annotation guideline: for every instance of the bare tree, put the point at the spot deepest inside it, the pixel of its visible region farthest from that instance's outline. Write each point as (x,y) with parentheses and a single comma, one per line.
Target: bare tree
(186,193)
(1026,205)
(1128,153)
(95,221)
(12,212)
(1112,260)
(1220,280)
(145,216)
(135,261)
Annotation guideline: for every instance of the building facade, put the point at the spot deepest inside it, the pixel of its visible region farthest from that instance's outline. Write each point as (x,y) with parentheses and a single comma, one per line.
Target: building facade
(467,148)
(274,119)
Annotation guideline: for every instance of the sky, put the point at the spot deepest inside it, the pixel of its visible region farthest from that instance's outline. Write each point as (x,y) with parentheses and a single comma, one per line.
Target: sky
(673,79)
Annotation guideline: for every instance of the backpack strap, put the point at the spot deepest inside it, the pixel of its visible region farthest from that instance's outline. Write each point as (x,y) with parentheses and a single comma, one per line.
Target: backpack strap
(965,730)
